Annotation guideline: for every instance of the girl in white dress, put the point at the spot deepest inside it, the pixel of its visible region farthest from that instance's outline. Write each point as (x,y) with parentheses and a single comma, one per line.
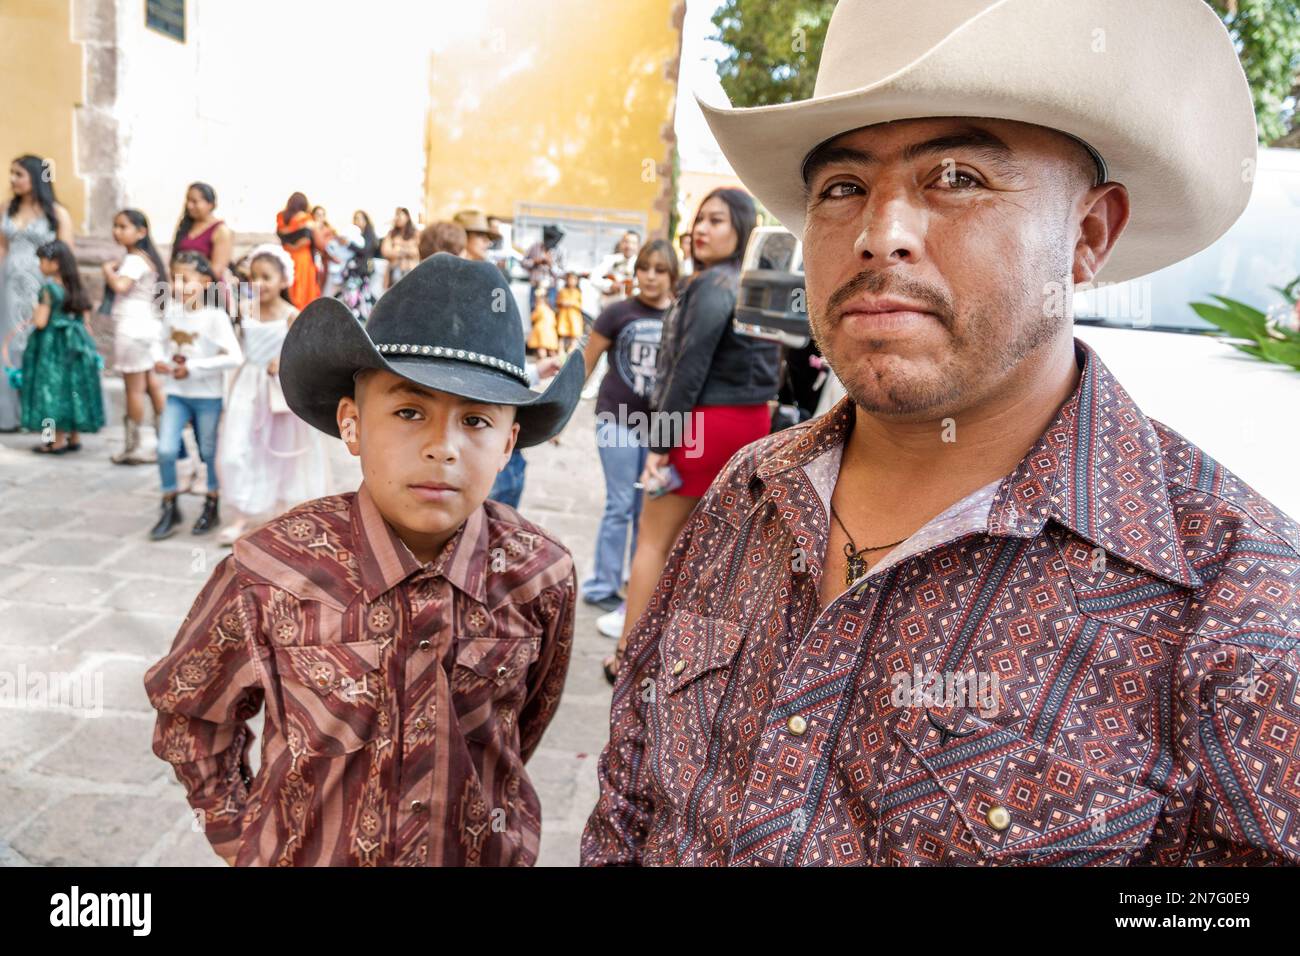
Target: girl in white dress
(137,323)
(269,458)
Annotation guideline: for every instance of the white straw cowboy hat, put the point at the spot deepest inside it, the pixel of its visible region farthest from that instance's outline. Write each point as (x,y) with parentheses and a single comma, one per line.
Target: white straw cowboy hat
(1152,87)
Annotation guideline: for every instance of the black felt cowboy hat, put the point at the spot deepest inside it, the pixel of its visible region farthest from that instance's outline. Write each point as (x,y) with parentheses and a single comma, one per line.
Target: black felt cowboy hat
(451,325)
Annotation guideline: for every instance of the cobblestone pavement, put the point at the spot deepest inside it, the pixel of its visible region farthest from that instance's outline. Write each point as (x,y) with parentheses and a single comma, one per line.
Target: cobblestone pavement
(83,591)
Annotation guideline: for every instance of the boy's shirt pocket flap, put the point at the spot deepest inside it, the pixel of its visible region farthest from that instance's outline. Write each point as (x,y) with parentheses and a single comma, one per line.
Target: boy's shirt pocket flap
(330,668)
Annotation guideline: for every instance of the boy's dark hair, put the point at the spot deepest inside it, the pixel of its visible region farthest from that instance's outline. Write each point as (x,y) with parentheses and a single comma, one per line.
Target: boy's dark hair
(442,237)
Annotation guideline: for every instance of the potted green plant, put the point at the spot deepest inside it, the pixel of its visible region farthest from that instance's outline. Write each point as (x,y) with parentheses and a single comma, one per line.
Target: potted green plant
(1273,336)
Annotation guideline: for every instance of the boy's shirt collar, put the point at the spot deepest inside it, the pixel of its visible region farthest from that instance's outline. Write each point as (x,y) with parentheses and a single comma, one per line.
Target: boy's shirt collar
(384,560)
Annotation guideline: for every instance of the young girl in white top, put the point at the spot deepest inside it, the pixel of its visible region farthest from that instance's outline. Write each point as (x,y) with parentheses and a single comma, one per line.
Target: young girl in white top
(196,347)
(269,458)
(136,325)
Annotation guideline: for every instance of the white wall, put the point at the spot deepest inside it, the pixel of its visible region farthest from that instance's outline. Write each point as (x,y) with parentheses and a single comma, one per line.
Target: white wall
(265,98)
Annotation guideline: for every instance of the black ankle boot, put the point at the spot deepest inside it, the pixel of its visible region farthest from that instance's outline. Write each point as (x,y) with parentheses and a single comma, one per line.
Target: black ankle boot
(168,520)
(209,519)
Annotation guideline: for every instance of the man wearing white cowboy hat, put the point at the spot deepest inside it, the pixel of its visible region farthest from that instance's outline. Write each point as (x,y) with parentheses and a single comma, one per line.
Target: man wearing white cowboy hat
(984,611)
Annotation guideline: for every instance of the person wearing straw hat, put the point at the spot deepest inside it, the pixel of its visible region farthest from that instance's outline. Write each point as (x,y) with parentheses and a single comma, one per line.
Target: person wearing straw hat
(478,231)
(410,639)
(984,611)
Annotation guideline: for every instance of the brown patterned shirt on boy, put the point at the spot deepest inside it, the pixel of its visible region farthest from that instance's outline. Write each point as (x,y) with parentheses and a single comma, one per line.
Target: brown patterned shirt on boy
(402,700)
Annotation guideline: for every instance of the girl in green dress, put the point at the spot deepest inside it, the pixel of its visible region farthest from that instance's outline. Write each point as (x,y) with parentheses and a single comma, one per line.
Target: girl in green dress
(60,387)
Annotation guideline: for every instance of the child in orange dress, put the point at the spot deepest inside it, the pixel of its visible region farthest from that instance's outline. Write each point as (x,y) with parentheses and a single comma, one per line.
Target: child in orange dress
(543,337)
(568,301)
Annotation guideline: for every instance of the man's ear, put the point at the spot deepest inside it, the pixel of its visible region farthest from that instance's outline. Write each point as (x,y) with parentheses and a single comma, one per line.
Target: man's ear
(348,417)
(1105,214)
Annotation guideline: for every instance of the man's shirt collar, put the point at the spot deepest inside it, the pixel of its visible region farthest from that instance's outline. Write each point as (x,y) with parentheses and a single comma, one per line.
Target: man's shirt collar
(1097,469)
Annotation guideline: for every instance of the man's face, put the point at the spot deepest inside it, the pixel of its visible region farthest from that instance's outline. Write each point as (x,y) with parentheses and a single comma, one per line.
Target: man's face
(930,249)
(428,458)
(477,245)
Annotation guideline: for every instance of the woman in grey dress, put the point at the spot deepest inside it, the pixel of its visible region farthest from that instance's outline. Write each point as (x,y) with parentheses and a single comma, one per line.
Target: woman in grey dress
(32,219)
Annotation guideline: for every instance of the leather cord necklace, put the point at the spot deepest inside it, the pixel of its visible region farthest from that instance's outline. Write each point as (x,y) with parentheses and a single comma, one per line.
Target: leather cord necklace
(856,566)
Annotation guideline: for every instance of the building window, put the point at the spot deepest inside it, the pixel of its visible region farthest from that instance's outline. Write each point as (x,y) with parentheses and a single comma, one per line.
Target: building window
(167,17)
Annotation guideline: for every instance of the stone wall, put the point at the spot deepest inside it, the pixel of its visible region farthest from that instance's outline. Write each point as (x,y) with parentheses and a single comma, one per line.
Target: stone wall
(99,137)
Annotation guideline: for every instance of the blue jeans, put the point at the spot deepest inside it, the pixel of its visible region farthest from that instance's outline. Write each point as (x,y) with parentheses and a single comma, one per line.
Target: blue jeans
(204,414)
(622,460)
(509,486)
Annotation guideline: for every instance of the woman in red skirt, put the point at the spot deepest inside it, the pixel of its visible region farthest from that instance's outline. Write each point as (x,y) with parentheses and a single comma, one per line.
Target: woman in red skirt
(711,393)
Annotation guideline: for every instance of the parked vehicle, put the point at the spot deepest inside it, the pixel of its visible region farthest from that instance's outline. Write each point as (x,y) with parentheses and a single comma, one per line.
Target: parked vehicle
(771,306)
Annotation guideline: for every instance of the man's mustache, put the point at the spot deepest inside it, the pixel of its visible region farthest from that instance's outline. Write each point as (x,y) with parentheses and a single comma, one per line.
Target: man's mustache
(882,283)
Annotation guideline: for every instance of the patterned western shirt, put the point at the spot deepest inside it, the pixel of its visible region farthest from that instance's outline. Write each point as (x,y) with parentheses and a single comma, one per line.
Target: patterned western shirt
(1122,614)
(402,700)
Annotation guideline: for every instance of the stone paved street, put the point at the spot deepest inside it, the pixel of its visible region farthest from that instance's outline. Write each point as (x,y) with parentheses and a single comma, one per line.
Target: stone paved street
(83,591)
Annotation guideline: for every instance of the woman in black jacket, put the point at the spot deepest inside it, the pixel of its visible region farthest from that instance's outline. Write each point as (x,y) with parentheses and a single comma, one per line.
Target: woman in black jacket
(711,392)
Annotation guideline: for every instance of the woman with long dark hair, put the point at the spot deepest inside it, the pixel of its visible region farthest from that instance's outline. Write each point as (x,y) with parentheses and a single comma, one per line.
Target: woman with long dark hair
(711,392)
(33,218)
(61,394)
(370,248)
(293,225)
(356,246)
(401,247)
(199,230)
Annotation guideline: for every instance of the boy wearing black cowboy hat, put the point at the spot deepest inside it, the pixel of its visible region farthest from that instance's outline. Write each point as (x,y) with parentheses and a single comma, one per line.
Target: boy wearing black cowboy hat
(409,640)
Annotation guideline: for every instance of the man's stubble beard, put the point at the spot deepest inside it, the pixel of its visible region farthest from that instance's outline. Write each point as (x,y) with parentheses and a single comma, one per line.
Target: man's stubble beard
(976,356)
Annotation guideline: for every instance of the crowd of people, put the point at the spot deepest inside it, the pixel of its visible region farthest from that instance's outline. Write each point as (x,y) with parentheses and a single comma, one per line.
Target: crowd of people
(1095,621)
(197,337)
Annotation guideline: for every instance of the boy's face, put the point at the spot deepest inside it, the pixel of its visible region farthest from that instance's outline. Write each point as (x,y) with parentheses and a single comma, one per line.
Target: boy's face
(428,458)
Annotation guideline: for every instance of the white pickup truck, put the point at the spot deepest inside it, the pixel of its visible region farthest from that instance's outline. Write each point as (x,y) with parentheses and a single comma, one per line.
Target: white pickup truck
(1243,412)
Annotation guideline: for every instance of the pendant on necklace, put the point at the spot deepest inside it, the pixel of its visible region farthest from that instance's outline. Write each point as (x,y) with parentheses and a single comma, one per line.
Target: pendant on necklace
(855,568)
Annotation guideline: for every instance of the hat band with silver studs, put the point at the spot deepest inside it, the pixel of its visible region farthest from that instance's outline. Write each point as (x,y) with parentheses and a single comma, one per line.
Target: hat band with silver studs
(463,355)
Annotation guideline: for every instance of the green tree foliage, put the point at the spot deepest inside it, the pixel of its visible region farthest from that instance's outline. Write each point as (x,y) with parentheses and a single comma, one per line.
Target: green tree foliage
(1268,41)
(775,48)
(776,45)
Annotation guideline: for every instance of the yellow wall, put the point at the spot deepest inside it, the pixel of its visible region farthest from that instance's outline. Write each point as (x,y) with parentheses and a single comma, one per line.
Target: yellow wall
(567,107)
(40,87)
